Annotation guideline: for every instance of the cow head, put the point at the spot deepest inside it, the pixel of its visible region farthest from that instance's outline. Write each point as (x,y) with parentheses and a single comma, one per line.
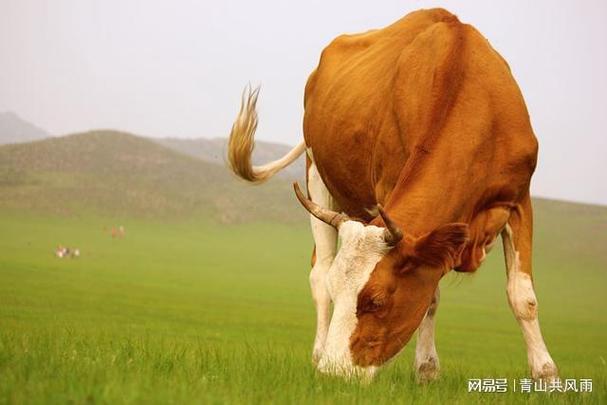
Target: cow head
(381,282)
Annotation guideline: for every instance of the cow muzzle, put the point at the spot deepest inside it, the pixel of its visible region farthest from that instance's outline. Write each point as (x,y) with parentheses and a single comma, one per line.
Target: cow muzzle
(343,367)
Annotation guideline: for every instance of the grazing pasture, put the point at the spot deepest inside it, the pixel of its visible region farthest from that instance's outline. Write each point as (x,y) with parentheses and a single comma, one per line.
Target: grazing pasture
(196,312)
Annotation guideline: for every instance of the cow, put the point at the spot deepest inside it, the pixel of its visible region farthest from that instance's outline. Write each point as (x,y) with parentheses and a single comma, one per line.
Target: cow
(118,232)
(420,154)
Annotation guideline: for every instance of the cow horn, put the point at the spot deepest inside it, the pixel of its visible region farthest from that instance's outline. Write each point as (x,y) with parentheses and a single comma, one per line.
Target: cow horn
(392,234)
(335,219)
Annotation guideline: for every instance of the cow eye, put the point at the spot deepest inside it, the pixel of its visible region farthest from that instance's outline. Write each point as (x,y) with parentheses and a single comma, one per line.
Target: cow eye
(371,304)
(405,265)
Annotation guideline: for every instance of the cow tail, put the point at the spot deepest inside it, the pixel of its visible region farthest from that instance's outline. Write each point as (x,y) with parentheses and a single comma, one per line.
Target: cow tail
(242,142)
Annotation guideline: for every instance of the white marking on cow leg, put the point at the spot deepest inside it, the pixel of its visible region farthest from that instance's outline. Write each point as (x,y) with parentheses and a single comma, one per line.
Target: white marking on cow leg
(427,366)
(325,239)
(521,297)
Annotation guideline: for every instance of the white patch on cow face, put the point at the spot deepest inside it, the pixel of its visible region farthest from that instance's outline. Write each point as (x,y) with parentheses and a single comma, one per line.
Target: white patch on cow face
(361,248)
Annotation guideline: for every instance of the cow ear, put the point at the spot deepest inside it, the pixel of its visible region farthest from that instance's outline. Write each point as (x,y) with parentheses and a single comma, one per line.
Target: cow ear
(442,246)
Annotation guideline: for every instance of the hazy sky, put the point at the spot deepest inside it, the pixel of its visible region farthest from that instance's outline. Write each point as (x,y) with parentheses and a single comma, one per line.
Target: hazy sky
(177,68)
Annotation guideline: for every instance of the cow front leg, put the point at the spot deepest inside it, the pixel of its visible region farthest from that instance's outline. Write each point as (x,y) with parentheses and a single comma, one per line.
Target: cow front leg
(516,238)
(427,366)
(325,240)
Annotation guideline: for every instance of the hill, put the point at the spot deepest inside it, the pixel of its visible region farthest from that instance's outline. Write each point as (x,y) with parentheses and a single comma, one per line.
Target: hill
(119,174)
(111,173)
(14,129)
(564,229)
(214,151)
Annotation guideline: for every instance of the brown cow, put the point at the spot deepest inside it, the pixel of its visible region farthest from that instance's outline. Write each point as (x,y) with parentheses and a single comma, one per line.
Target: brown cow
(424,118)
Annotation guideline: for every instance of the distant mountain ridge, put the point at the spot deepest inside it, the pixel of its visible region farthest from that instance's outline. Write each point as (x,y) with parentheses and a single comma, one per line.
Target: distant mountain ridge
(14,129)
(214,151)
(112,173)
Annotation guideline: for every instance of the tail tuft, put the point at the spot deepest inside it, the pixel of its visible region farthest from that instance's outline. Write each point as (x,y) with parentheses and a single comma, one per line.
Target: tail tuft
(242,143)
(242,137)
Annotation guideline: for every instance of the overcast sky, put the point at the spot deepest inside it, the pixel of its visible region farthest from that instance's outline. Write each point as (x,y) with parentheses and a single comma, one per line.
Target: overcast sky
(177,68)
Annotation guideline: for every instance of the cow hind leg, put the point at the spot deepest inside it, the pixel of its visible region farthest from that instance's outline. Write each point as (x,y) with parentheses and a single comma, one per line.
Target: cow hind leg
(427,366)
(325,240)
(516,238)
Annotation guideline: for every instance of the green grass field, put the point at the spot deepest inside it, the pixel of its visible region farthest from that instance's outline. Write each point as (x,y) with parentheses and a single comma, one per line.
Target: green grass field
(194,312)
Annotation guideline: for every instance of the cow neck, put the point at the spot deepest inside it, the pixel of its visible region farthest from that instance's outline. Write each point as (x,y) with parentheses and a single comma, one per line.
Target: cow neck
(427,195)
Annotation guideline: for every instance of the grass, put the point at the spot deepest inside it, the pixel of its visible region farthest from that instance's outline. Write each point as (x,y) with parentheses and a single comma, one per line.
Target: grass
(186,312)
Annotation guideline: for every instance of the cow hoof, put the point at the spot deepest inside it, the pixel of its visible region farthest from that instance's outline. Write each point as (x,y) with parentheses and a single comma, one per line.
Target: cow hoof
(427,371)
(548,372)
